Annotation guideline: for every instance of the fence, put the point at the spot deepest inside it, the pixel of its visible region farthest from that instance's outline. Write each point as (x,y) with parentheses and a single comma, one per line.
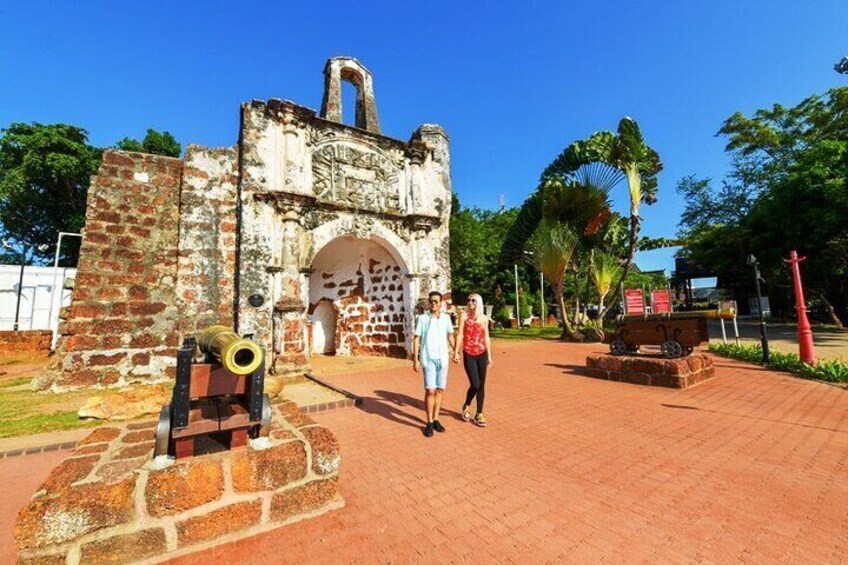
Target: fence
(40,304)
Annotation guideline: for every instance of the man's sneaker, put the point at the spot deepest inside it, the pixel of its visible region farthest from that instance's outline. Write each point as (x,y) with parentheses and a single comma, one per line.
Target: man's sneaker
(480,420)
(437,425)
(466,413)
(428,430)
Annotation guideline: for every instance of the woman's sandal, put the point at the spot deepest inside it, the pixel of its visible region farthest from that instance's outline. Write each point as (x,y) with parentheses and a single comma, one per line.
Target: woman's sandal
(466,414)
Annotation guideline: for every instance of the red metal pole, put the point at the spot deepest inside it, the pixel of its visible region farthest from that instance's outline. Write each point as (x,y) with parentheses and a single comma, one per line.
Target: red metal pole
(805,332)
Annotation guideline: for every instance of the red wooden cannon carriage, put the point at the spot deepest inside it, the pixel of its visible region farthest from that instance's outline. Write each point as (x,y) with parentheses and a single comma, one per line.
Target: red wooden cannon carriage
(676,333)
(222,398)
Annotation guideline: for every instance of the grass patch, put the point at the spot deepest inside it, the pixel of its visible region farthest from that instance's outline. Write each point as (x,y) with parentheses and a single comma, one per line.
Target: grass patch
(831,370)
(548,332)
(24,412)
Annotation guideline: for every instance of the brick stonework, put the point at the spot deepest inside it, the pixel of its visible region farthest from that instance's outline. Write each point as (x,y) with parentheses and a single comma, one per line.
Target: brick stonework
(123,302)
(672,373)
(106,509)
(207,256)
(157,263)
(34,343)
(365,287)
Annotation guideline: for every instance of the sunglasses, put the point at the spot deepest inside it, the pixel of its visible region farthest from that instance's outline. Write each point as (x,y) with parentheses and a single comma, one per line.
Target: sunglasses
(435,301)
(472,300)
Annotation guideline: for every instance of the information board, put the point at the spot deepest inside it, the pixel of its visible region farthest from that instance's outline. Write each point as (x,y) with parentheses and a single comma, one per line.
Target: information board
(660,301)
(634,301)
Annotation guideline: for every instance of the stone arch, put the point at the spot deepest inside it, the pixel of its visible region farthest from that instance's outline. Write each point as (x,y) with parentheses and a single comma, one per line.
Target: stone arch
(323,334)
(375,230)
(350,70)
(364,279)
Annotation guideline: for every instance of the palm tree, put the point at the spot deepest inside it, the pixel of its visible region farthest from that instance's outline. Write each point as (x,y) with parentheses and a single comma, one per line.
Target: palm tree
(604,268)
(574,189)
(640,164)
(550,251)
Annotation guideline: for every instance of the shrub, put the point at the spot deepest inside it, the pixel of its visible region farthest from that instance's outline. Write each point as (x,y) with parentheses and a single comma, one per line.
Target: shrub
(831,370)
(501,314)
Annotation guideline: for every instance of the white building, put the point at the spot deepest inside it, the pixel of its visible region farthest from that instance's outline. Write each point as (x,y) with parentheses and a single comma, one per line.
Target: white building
(39,303)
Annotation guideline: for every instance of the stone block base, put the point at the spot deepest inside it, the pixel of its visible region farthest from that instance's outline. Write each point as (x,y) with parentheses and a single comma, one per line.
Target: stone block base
(672,373)
(31,343)
(110,502)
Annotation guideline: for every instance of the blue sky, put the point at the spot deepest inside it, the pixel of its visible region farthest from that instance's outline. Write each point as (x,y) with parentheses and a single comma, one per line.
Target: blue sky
(512,83)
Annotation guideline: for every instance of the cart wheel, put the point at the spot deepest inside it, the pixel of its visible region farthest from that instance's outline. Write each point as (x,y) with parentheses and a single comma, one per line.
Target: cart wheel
(687,350)
(618,347)
(671,349)
(266,410)
(163,431)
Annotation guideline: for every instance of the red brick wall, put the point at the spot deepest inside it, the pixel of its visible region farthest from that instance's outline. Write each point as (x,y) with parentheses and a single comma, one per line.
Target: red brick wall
(122,324)
(35,343)
(371,314)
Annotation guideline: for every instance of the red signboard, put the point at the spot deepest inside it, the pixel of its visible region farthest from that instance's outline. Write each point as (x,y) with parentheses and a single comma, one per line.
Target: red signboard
(634,301)
(660,301)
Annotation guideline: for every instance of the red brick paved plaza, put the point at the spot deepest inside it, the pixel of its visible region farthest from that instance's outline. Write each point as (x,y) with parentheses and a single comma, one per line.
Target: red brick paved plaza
(751,466)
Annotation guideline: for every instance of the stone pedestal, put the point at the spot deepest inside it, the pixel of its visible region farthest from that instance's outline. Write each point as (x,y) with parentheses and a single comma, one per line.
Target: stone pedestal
(672,373)
(111,502)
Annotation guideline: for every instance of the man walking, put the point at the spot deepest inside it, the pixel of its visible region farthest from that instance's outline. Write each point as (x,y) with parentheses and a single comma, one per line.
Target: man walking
(433,341)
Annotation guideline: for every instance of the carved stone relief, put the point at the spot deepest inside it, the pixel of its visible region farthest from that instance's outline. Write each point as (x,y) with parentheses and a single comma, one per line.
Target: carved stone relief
(357,177)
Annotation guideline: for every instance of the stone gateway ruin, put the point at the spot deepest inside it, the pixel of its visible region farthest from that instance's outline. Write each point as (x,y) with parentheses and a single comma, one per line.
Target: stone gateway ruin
(311,235)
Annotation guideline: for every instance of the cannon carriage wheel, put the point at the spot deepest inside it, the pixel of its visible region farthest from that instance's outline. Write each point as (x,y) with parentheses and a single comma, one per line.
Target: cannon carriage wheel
(618,347)
(671,349)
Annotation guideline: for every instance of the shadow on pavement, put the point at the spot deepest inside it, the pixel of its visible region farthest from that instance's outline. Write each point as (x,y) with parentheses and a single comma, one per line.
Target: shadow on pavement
(399,408)
(577,369)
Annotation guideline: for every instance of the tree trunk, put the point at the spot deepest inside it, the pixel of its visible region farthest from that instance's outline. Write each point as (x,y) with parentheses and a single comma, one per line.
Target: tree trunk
(566,326)
(831,311)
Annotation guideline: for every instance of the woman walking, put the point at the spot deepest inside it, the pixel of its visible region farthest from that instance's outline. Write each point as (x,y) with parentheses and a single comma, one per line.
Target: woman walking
(473,340)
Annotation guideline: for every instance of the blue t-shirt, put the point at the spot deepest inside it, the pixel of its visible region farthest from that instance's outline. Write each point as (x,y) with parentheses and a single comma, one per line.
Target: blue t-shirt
(433,332)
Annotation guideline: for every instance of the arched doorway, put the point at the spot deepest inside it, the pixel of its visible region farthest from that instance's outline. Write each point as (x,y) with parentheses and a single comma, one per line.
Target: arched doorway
(324,328)
(358,286)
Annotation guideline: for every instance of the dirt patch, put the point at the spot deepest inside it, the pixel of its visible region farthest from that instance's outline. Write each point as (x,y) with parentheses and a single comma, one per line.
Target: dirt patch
(339,365)
(308,393)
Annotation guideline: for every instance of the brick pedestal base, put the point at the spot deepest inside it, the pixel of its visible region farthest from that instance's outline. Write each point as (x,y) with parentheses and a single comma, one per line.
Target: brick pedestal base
(673,373)
(109,502)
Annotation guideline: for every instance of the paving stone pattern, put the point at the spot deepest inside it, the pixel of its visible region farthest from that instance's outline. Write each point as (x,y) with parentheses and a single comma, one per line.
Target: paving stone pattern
(747,467)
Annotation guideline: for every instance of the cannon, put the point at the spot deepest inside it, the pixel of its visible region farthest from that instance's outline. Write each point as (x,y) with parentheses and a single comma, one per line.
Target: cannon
(222,397)
(676,333)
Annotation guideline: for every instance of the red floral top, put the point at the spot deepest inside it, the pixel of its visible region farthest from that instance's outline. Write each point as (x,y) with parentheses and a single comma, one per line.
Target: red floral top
(473,338)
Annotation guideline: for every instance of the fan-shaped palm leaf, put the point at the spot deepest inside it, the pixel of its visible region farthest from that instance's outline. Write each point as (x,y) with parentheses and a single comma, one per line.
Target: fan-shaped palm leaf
(550,251)
(604,269)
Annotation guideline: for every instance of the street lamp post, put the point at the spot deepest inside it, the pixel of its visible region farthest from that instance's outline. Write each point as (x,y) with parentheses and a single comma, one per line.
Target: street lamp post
(763,334)
(20,290)
(517,311)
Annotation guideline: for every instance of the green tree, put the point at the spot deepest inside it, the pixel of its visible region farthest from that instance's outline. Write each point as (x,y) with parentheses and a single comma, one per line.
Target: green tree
(604,268)
(44,174)
(475,243)
(788,189)
(550,251)
(574,191)
(155,142)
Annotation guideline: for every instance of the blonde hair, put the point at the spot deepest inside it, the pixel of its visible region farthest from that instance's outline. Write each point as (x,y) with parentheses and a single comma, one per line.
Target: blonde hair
(479,309)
